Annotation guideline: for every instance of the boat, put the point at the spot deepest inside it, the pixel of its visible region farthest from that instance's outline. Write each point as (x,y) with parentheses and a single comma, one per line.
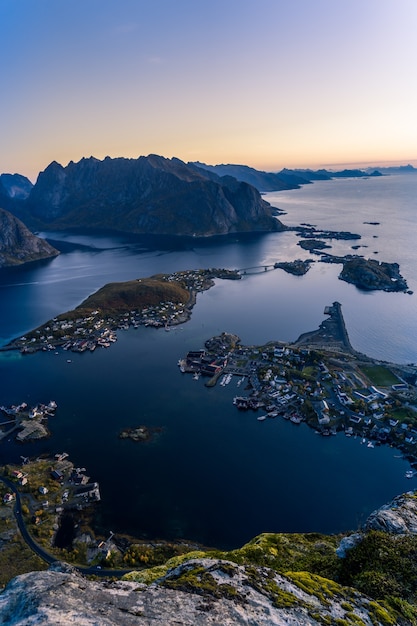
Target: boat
(370,445)
(261,418)
(409,474)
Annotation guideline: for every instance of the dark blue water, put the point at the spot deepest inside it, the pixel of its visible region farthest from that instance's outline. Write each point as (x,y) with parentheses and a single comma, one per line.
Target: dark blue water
(213,474)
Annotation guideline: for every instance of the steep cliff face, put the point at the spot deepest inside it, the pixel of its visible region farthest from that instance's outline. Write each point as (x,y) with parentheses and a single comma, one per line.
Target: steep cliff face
(146,195)
(398,517)
(16,186)
(18,245)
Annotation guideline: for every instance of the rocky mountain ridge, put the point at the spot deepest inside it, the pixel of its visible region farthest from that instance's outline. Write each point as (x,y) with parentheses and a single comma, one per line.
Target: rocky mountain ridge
(18,245)
(150,195)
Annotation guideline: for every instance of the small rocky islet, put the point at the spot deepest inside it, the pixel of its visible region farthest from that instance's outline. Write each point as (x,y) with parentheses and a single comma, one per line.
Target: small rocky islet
(140,433)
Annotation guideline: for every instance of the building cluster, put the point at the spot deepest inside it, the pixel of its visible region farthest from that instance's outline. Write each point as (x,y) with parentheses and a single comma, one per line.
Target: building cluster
(329,392)
(75,491)
(29,421)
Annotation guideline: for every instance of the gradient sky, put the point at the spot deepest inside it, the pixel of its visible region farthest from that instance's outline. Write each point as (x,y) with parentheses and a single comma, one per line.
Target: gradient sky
(268,83)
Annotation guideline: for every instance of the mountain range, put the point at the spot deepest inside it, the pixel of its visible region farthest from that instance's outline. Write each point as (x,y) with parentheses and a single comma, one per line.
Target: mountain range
(150,195)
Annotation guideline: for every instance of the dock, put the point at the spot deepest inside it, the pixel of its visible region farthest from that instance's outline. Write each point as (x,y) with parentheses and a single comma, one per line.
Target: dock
(331,334)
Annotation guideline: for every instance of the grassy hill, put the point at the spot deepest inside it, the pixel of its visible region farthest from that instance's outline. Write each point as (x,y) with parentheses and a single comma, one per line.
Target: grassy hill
(134,294)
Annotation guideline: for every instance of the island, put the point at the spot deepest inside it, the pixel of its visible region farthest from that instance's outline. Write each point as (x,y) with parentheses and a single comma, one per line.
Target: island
(369,274)
(297,267)
(139,433)
(313,244)
(163,300)
(318,379)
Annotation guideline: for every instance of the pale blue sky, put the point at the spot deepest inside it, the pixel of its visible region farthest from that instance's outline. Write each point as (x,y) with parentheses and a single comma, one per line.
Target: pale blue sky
(269,83)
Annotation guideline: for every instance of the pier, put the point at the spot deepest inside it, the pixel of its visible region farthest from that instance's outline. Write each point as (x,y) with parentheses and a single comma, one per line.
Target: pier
(331,334)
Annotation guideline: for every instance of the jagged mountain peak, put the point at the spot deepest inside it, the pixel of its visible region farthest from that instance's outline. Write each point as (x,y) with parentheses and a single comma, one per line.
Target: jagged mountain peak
(150,194)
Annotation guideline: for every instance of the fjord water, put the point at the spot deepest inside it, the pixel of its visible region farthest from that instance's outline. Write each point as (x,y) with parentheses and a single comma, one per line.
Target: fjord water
(214,474)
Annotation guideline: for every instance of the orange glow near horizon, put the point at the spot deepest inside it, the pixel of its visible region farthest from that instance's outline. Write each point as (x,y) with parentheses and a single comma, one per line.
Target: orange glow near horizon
(266,84)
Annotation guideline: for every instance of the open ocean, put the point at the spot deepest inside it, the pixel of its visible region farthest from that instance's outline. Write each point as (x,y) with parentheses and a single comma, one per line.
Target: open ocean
(213,474)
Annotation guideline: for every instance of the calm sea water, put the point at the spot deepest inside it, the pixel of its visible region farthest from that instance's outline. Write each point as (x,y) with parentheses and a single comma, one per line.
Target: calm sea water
(213,474)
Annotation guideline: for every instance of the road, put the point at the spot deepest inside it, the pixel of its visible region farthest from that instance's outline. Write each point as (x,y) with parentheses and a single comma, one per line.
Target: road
(43,554)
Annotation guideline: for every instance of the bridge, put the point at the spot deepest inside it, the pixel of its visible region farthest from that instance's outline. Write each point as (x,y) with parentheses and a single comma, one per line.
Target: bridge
(256,269)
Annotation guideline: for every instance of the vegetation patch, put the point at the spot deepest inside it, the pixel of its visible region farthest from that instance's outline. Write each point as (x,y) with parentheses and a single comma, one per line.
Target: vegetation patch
(380,375)
(322,588)
(282,552)
(197,579)
(382,565)
(148,576)
(266,585)
(135,294)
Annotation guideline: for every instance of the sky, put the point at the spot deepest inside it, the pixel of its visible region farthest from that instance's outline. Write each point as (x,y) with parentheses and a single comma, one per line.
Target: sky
(267,83)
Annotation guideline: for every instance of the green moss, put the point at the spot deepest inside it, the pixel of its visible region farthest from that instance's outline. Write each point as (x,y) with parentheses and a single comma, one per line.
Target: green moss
(403,608)
(326,620)
(379,615)
(196,579)
(267,586)
(354,619)
(148,576)
(322,588)
(311,552)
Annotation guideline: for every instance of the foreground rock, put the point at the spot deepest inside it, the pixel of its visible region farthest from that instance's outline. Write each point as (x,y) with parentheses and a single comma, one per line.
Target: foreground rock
(18,245)
(199,592)
(398,517)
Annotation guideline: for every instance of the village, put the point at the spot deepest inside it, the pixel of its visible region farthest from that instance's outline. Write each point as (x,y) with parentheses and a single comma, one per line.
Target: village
(78,332)
(52,496)
(28,422)
(333,390)
(54,504)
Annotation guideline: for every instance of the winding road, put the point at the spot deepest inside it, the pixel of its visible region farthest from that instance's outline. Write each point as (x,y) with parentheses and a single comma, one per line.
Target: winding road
(43,554)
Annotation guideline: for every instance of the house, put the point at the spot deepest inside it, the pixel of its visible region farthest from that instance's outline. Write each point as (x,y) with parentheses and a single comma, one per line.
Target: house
(43,490)
(57,475)
(8,497)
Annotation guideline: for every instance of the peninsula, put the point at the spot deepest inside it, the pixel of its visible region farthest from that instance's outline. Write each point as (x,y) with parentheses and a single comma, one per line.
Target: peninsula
(163,300)
(318,379)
